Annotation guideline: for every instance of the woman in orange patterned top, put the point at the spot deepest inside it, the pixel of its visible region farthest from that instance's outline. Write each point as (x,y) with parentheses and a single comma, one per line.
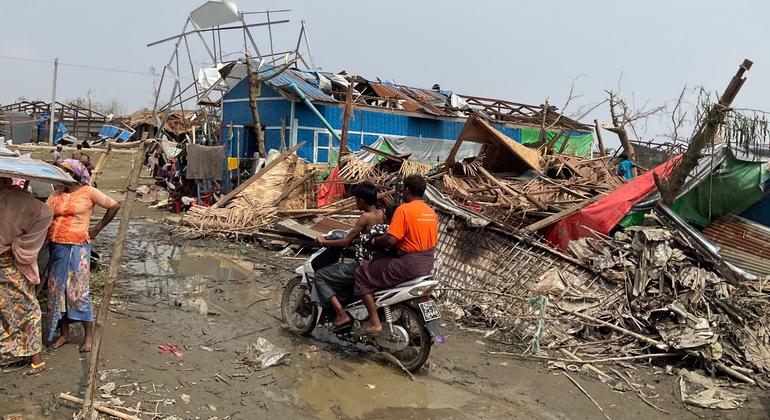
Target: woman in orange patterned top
(70,237)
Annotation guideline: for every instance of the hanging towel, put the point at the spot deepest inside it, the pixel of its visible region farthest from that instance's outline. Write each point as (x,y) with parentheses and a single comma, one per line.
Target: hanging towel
(205,162)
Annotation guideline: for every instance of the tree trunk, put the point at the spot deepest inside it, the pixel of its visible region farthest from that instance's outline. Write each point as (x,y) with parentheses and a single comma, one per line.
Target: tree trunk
(346,120)
(715,116)
(618,127)
(254,93)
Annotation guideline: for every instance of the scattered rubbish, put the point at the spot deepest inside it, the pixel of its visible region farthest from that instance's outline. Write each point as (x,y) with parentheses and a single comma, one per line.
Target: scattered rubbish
(106,373)
(185,398)
(108,387)
(310,351)
(263,354)
(171,348)
(371,386)
(705,392)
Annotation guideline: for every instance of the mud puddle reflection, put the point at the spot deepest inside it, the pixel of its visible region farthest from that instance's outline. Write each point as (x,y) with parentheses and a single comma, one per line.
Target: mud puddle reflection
(180,275)
(373,389)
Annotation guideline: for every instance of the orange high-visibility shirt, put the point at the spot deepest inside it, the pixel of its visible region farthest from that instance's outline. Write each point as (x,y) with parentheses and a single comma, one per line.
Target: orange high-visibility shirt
(415,225)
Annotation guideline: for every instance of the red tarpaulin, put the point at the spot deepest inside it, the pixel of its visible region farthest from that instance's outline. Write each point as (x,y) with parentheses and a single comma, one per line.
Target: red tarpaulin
(331,191)
(605,214)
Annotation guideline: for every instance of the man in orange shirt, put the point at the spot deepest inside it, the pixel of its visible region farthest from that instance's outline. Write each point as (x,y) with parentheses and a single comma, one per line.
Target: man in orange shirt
(413,231)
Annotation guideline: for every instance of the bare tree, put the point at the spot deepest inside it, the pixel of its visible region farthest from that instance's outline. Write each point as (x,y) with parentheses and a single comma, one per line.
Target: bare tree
(623,118)
(706,130)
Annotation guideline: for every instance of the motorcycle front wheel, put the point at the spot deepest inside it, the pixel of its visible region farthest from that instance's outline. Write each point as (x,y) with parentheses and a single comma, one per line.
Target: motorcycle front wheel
(416,353)
(297,308)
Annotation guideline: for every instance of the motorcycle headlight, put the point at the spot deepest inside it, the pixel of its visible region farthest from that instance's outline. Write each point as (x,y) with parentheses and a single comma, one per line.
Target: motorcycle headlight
(422,290)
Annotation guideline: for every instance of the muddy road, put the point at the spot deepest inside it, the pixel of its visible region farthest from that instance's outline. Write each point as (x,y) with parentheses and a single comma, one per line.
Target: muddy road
(213,299)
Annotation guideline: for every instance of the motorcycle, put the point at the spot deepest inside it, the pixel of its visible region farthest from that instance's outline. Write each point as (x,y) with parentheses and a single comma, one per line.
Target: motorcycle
(411,315)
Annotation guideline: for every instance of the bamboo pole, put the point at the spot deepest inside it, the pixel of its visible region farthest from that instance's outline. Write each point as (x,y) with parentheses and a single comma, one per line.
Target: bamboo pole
(659,344)
(98,407)
(129,197)
(100,164)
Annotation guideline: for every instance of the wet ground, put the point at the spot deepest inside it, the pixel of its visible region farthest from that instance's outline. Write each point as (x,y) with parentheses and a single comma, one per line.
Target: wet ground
(213,299)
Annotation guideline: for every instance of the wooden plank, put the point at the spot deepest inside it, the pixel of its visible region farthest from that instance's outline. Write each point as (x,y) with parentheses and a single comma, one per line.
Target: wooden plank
(256,176)
(296,227)
(511,190)
(129,198)
(327,223)
(534,227)
(598,130)
(383,154)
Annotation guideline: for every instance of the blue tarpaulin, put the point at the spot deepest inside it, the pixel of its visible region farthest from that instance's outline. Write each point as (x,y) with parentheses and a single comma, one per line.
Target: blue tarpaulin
(42,124)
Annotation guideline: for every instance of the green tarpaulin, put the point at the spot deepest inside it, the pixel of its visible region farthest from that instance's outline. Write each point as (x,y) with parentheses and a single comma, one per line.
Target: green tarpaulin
(729,190)
(577,145)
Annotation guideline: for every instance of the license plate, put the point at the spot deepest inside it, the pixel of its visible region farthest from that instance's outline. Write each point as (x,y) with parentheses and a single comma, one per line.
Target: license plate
(429,310)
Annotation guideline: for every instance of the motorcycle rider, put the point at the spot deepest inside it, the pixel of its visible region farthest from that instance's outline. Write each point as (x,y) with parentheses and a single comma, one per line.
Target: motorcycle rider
(413,231)
(338,277)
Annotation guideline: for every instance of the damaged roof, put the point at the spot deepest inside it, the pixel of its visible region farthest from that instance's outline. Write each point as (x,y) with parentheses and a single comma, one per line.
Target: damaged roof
(500,151)
(332,87)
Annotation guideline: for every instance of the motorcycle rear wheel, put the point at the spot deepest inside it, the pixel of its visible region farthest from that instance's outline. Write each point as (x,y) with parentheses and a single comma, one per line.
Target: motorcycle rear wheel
(414,356)
(297,309)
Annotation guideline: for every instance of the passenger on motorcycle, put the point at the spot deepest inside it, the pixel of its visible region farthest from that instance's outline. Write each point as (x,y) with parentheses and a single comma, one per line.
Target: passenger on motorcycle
(337,278)
(413,231)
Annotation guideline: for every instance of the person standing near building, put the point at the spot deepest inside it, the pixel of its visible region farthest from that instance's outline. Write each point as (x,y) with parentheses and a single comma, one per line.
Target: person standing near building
(25,221)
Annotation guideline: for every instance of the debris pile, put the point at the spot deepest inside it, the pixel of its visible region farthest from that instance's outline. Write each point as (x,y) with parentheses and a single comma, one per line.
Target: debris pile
(519,200)
(668,297)
(283,185)
(658,290)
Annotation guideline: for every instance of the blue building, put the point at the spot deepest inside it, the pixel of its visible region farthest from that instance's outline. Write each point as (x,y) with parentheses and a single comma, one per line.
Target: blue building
(431,119)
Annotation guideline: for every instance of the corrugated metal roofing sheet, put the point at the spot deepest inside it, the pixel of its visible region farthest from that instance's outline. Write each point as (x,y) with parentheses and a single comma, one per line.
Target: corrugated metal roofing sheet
(283,80)
(743,243)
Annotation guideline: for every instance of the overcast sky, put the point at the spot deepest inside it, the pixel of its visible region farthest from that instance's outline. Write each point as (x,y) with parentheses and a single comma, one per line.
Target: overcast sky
(522,51)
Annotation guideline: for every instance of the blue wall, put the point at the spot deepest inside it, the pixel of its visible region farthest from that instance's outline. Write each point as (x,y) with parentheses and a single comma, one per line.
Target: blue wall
(365,125)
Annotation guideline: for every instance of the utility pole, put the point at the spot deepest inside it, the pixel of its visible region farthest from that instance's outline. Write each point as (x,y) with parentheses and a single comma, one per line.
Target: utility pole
(52,119)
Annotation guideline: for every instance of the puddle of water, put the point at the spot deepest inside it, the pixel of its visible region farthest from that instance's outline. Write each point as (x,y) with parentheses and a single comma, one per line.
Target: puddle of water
(371,387)
(182,275)
(164,260)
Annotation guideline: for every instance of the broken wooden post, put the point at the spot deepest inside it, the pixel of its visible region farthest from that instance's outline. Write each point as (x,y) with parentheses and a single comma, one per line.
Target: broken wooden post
(283,135)
(511,190)
(100,163)
(548,221)
(346,120)
(602,151)
(715,116)
(255,88)
(129,197)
